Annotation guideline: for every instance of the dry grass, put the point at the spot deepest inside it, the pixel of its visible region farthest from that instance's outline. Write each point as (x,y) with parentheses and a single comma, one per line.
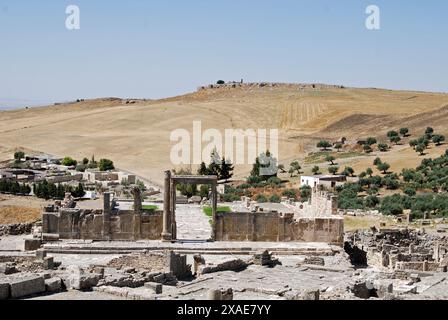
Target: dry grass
(361,223)
(13,214)
(137,136)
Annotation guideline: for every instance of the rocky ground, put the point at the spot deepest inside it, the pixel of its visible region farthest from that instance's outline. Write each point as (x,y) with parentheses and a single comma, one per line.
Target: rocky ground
(147,270)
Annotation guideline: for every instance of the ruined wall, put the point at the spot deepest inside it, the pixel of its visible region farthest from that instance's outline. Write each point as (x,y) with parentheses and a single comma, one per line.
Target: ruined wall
(321,204)
(94,225)
(272,226)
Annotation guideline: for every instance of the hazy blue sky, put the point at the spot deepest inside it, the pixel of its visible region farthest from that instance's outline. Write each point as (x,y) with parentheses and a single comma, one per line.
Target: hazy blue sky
(153,49)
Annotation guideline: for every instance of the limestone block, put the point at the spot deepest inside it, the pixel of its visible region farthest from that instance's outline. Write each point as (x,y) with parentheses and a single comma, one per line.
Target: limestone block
(48,263)
(25,286)
(32,244)
(79,280)
(4,290)
(405,289)
(157,288)
(53,285)
(310,295)
(7,268)
(41,254)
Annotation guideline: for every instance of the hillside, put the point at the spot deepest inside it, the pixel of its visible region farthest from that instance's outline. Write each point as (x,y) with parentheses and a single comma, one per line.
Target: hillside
(136,134)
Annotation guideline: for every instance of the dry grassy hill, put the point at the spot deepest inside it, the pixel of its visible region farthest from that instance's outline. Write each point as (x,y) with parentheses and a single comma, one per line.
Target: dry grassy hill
(136,135)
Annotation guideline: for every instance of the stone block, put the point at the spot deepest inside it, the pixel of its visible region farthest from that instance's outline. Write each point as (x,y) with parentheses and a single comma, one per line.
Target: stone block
(48,263)
(32,244)
(405,289)
(26,286)
(157,288)
(310,295)
(41,254)
(53,285)
(7,268)
(383,288)
(4,290)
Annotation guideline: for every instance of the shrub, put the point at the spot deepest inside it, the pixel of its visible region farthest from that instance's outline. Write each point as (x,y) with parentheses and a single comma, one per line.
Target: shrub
(106,165)
(68,161)
(261,198)
(274,199)
(19,155)
(290,193)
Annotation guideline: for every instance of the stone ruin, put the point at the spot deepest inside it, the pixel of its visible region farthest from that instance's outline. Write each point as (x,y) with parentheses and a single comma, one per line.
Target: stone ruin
(63,221)
(398,250)
(315,221)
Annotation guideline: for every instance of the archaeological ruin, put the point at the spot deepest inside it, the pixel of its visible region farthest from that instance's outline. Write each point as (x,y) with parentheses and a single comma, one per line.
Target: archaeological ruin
(313,221)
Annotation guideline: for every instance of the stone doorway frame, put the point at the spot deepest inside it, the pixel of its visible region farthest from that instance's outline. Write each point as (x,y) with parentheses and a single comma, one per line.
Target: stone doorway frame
(169,233)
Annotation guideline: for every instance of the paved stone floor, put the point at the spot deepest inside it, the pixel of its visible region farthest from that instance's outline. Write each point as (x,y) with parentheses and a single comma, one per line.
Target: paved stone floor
(192,223)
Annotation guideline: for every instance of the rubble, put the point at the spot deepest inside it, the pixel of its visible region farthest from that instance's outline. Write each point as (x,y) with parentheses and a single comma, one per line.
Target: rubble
(397,249)
(15,229)
(265,259)
(225,265)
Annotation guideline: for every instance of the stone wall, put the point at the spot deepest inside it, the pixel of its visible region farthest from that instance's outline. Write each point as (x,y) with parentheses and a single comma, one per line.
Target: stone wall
(105,224)
(88,224)
(321,204)
(273,227)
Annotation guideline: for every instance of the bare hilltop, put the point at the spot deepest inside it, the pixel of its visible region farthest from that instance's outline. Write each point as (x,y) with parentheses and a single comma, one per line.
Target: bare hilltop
(136,133)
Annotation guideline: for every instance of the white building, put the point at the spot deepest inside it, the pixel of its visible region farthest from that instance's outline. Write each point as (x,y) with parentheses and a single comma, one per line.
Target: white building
(329,181)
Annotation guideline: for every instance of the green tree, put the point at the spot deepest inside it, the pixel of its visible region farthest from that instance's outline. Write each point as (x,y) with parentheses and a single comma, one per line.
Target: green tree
(333,169)
(377,161)
(324,145)
(404,132)
(330,159)
(410,191)
(19,155)
(316,170)
(395,139)
(79,191)
(85,161)
(429,131)
(420,149)
(281,168)
(261,198)
(106,165)
(226,170)
(274,199)
(369,171)
(392,133)
(93,164)
(295,166)
(371,141)
(68,161)
(348,171)
(383,147)
(204,191)
(438,139)
(383,167)
(305,193)
(367,148)
(203,171)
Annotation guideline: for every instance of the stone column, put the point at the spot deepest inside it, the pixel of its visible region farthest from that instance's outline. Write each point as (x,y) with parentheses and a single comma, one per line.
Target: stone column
(214,210)
(137,213)
(106,216)
(173,211)
(166,233)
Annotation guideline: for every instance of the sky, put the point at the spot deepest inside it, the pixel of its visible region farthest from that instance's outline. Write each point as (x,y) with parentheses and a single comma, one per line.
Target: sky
(156,49)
